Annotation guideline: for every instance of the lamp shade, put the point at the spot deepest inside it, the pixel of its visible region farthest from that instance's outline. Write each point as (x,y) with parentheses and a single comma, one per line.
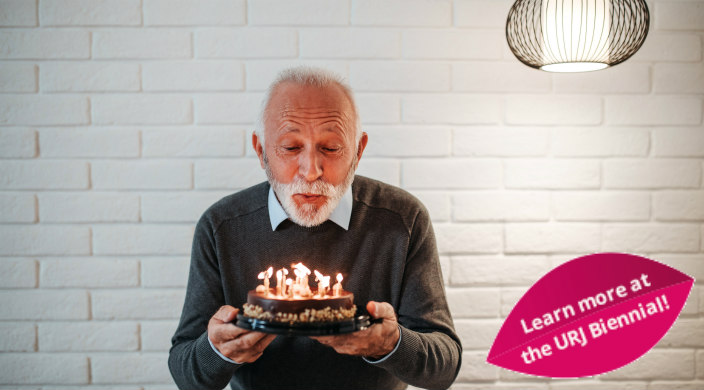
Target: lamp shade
(576,35)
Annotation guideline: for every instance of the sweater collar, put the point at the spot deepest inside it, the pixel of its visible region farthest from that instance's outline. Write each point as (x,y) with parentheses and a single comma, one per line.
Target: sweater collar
(341,215)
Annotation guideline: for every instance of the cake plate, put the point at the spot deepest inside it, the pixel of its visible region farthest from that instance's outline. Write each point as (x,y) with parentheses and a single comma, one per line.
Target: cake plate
(317,329)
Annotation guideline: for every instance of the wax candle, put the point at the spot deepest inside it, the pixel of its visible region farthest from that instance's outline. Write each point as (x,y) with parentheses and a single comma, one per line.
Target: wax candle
(337,288)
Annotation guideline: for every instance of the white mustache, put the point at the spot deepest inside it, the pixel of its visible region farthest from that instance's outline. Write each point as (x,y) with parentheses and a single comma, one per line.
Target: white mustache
(318,187)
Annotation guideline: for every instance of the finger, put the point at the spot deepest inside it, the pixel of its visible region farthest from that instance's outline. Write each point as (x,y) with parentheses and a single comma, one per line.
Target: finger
(226,313)
(381,310)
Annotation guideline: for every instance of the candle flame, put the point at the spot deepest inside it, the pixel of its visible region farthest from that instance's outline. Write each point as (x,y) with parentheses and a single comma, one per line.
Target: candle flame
(261,275)
(301,268)
(269,272)
(339,278)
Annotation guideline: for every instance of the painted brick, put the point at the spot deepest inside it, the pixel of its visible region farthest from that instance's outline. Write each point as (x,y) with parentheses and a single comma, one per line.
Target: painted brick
(44,240)
(18,207)
(142,239)
(88,272)
(137,304)
(452,174)
(631,77)
(671,46)
(452,44)
(89,142)
(402,13)
(552,173)
(246,43)
(142,44)
(194,12)
(18,143)
(156,335)
(679,78)
(193,76)
(141,109)
(497,271)
(66,369)
(44,44)
(653,110)
(658,364)
(553,110)
(606,142)
(498,77)
(299,12)
(679,205)
(685,333)
(408,142)
(385,170)
(475,368)
(477,334)
(164,272)
(700,364)
(88,336)
(174,174)
(501,206)
(350,43)
(18,13)
(18,273)
(468,238)
(43,110)
(195,142)
(17,77)
(260,73)
(130,368)
(404,76)
(378,108)
(679,15)
(28,175)
(90,12)
(18,337)
(437,203)
(500,141)
(43,305)
(228,174)
(89,77)
(648,238)
(227,108)
(601,206)
(688,264)
(652,173)
(510,297)
(678,142)
(454,109)
(554,237)
(473,302)
(177,206)
(481,13)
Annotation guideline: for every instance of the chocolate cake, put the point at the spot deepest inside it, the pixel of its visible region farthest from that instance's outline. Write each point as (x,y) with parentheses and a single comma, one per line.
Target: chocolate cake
(315,309)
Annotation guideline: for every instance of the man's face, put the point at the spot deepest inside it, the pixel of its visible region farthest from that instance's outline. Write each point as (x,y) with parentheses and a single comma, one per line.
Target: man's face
(311,152)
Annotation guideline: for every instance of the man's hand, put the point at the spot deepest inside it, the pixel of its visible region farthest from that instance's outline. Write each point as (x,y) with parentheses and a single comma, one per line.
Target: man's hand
(240,345)
(375,342)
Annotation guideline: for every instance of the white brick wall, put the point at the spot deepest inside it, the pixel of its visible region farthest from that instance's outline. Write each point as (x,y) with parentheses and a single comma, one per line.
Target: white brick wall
(121,121)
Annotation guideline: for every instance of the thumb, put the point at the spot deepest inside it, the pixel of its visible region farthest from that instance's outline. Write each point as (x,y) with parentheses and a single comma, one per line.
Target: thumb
(226,313)
(381,310)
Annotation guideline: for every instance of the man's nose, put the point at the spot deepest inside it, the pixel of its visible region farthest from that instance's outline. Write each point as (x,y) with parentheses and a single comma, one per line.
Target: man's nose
(309,165)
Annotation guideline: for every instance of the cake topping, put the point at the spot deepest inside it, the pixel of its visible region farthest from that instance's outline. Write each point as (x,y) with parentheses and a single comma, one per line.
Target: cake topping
(288,288)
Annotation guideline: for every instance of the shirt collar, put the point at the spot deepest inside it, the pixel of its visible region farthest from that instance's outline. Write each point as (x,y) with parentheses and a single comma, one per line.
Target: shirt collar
(341,215)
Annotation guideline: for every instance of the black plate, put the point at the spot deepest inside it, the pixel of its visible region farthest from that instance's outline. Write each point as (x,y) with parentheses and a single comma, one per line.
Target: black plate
(320,329)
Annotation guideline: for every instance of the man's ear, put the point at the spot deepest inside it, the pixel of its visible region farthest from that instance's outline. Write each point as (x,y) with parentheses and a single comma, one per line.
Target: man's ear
(360,147)
(258,148)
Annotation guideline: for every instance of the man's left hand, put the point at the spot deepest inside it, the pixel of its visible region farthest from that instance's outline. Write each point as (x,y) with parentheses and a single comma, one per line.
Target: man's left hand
(374,342)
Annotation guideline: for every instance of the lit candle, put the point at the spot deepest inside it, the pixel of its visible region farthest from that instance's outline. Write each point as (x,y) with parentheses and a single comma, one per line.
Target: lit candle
(324,282)
(289,283)
(337,288)
(269,272)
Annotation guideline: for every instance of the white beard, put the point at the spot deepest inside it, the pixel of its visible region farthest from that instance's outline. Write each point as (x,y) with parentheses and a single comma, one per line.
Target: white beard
(309,215)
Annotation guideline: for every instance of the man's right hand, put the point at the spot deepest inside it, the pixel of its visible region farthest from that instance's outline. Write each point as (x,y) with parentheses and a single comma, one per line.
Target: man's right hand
(240,345)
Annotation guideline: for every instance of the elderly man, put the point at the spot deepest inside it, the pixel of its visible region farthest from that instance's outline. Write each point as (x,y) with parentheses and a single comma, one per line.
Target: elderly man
(314,208)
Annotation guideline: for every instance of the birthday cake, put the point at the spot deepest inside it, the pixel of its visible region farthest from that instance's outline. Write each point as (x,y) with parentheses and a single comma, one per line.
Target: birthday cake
(268,307)
(293,301)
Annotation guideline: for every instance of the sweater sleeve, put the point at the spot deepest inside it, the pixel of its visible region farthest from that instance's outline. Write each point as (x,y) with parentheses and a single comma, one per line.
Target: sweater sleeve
(192,361)
(429,354)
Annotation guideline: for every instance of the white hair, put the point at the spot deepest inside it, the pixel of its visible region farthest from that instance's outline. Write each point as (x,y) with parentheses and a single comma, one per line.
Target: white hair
(306,76)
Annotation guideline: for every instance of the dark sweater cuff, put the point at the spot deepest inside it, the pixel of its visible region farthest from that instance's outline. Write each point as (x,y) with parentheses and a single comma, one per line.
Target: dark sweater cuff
(212,364)
(407,348)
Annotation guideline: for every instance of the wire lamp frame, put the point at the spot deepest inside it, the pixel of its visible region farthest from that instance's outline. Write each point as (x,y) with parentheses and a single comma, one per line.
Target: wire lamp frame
(576,35)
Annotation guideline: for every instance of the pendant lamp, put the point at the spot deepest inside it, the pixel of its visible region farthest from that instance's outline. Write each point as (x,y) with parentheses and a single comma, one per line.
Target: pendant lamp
(576,35)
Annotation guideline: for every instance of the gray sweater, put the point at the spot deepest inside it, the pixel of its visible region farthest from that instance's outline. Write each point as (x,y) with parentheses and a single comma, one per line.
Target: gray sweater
(388,254)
